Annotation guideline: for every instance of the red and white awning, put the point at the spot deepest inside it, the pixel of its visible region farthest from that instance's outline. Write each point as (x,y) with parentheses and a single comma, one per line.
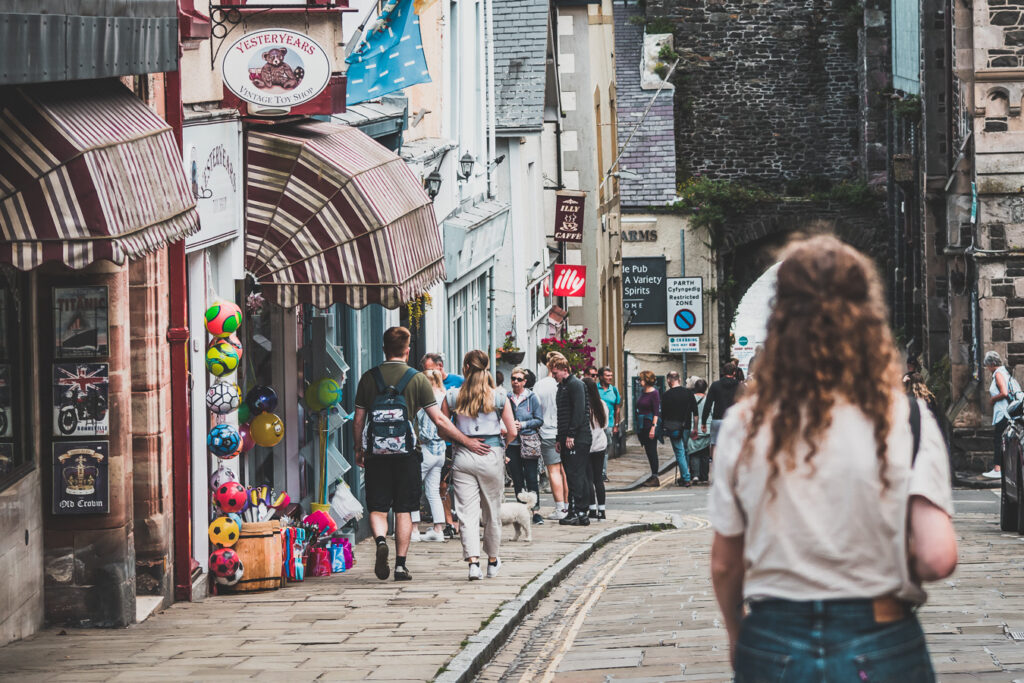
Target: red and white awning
(333,216)
(87,172)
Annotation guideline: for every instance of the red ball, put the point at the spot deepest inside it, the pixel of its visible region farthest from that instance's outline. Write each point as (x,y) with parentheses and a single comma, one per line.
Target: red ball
(224,562)
(231,497)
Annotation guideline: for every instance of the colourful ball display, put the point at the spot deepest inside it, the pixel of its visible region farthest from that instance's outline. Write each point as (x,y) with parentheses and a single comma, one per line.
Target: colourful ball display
(224,441)
(261,399)
(223,319)
(224,532)
(224,562)
(328,391)
(231,497)
(221,358)
(223,397)
(267,430)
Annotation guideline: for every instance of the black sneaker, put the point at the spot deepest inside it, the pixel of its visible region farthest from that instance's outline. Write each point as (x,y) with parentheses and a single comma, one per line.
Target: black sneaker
(537,519)
(381,568)
(601,515)
(449,531)
(402,574)
(578,519)
(592,514)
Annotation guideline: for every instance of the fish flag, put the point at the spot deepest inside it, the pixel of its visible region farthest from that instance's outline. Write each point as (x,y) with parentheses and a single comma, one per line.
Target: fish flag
(390,56)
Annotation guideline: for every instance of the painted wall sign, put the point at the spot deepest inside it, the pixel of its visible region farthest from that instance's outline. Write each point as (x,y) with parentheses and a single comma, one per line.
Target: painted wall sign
(569,216)
(276,69)
(643,289)
(80,394)
(640,235)
(570,280)
(80,322)
(212,154)
(81,477)
(684,313)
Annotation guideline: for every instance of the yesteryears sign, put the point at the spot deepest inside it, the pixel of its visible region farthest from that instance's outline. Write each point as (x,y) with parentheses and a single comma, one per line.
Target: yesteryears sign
(569,216)
(81,478)
(212,153)
(276,69)
(643,289)
(570,280)
(684,313)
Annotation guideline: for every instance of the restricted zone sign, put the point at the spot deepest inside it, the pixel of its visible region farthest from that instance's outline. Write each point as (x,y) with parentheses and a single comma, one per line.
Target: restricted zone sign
(685,306)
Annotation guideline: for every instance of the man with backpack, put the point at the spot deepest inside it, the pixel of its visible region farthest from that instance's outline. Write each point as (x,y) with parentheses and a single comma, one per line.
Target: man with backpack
(387,399)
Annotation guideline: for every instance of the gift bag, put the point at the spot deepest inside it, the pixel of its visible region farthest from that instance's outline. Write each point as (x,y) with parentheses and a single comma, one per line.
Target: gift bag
(319,563)
(337,558)
(350,556)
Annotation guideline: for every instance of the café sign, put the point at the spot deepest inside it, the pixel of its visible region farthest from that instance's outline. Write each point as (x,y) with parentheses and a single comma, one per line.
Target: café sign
(276,69)
(569,216)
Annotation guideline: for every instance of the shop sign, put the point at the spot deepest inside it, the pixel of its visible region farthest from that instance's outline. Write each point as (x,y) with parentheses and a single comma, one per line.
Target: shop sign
(80,322)
(81,477)
(684,313)
(569,216)
(643,289)
(639,235)
(684,345)
(570,280)
(80,393)
(212,153)
(276,69)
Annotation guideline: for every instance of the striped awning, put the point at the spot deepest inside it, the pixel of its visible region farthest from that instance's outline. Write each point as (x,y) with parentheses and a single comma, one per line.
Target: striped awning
(333,216)
(87,172)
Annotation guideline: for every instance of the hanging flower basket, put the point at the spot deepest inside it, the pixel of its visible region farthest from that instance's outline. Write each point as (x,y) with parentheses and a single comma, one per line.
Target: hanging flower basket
(513,357)
(577,348)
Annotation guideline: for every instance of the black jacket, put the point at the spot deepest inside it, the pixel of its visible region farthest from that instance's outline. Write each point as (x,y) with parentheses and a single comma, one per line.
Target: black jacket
(573,410)
(721,396)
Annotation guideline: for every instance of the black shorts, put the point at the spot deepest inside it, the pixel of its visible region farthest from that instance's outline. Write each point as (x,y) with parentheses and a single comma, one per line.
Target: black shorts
(393,483)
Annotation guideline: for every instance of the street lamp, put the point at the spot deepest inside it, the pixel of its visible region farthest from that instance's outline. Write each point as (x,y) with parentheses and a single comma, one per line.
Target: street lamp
(466,164)
(432,184)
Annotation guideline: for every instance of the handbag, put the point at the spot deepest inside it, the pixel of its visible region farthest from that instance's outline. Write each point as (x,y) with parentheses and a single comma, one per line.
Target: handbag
(530,446)
(598,439)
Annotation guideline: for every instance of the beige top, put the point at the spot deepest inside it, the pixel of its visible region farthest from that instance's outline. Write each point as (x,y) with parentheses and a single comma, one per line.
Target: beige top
(833,533)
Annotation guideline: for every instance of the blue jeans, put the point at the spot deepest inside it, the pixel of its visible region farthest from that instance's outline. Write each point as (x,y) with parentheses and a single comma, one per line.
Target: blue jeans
(832,640)
(679,448)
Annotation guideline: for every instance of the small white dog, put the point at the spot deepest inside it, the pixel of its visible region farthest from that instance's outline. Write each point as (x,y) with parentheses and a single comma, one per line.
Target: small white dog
(520,515)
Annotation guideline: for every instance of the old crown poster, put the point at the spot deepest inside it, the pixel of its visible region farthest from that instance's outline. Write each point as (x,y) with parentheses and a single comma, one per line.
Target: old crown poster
(81,482)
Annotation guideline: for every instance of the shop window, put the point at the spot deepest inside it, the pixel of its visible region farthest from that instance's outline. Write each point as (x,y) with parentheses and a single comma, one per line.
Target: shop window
(15,452)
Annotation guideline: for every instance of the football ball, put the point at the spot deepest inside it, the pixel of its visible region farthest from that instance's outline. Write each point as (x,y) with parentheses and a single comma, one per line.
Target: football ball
(224,532)
(223,397)
(223,319)
(224,441)
(224,563)
(221,358)
(233,579)
(231,497)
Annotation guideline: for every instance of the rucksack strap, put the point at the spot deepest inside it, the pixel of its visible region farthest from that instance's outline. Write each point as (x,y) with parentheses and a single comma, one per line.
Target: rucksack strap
(406,378)
(378,377)
(915,428)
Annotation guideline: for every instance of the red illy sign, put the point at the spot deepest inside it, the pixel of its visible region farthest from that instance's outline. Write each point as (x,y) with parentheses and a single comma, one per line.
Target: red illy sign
(570,280)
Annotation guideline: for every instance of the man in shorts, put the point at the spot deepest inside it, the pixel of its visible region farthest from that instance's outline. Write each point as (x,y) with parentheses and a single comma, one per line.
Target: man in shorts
(393,481)
(546,390)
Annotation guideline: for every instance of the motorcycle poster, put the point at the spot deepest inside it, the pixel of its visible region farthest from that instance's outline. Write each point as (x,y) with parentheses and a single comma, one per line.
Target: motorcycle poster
(80,392)
(81,477)
(80,322)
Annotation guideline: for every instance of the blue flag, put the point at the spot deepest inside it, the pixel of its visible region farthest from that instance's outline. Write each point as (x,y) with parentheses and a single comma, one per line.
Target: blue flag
(390,56)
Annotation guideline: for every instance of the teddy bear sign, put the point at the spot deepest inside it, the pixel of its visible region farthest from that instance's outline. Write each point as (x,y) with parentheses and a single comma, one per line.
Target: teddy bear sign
(276,68)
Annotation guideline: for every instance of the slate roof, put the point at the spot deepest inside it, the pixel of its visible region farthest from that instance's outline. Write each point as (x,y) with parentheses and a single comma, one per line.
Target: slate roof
(520,46)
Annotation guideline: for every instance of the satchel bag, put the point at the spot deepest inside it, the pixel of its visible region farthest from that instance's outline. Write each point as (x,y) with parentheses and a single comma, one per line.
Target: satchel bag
(530,446)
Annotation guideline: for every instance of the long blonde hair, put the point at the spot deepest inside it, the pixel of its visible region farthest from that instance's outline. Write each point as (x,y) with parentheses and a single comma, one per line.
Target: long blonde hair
(477,393)
(828,338)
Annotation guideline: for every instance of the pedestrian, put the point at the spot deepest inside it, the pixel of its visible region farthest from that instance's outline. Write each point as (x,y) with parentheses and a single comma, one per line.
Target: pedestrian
(499,379)
(591,372)
(479,411)
(392,477)
(648,414)
(721,396)
(698,443)
(432,453)
(740,375)
(524,452)
(613,406)
(915,387)
(546,390)
(598,449)
(679,419)
(999,391)
(831,499)
(574,439)
(435,361)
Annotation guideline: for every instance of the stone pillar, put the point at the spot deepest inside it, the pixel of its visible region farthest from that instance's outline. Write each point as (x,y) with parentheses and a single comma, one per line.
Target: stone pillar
(89,560)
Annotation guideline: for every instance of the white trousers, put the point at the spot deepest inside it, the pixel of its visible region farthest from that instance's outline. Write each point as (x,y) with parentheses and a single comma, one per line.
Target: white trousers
(479,482)
(430,469)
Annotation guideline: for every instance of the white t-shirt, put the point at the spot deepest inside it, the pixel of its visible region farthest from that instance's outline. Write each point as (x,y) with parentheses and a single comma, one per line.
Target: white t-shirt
(832,533)
(546,389)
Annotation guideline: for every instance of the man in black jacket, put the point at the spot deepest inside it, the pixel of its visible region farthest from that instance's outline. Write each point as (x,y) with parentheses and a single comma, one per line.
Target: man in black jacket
(720,398)
(573,440)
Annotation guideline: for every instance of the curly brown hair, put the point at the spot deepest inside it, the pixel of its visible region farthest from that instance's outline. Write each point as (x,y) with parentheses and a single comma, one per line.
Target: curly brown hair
(828,338)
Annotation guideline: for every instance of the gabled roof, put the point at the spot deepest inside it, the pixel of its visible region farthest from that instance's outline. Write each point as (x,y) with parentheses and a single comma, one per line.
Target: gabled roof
(520,47)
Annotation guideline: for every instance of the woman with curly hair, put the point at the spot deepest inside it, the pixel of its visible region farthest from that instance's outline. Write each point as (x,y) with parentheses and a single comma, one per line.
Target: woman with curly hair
(831,499)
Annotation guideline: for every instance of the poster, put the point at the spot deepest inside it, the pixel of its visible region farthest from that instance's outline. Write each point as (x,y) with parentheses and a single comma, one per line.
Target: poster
(80,393)
(6,419)
(81,477)
(569,216)
(80,322)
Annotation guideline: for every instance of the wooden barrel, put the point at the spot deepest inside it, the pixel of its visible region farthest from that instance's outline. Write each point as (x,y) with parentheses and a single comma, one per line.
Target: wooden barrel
(259,549)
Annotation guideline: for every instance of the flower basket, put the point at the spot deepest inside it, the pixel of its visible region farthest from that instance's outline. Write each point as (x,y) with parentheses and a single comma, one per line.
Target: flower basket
(513,357)
(577,348)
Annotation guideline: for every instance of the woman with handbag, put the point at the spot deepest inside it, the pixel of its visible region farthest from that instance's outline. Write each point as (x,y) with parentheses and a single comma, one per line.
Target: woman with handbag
(648,413)
(524,452)
(598,448)
(831,499)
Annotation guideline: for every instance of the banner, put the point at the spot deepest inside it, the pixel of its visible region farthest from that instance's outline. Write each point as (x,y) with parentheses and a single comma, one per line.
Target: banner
(390,57)
(569,216)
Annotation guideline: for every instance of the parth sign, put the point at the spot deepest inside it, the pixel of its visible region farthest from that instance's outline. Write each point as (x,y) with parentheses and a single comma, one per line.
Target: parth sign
(570,280)
(685,306)
(276,69)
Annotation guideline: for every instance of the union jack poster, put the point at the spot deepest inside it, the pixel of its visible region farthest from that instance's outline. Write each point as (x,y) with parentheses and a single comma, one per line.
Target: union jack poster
(80,322)
(80,393)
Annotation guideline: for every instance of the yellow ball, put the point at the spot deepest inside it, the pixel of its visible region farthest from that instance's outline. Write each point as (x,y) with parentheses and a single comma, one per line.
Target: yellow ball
(224,532)
(266,430)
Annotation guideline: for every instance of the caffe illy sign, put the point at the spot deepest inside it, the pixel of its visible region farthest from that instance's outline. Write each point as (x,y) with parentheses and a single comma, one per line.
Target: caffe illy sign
(275,70)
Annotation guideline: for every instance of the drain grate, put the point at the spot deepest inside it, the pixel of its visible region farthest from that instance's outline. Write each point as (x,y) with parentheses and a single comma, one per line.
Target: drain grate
(1016,635)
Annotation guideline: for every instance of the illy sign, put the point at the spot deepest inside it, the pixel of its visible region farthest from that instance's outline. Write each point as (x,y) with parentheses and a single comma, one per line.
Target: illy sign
(570,280)
(569,216)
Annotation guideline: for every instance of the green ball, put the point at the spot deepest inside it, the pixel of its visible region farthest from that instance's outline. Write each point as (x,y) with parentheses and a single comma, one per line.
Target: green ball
(328,391)
(313,397)
(244,413)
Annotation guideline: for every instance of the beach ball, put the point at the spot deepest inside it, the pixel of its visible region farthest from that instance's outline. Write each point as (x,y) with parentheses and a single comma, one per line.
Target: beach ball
(224,562)
(224,441)
(246,434)
(312,398)
(223,397)
(221,476)
(223,319)
(261,399)
(266,429)
(224,532)
(231,497)
(221,358)
(328,392)
(244,413)
(233,579)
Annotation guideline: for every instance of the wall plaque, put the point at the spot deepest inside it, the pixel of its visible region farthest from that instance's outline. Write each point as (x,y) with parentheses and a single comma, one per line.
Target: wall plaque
(81,478)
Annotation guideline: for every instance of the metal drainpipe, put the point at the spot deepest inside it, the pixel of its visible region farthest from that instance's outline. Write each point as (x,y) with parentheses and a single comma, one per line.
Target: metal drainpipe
(177,337)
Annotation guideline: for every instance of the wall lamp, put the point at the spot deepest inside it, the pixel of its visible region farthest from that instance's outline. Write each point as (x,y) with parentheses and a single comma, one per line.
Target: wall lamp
(432,184)
(466,164)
